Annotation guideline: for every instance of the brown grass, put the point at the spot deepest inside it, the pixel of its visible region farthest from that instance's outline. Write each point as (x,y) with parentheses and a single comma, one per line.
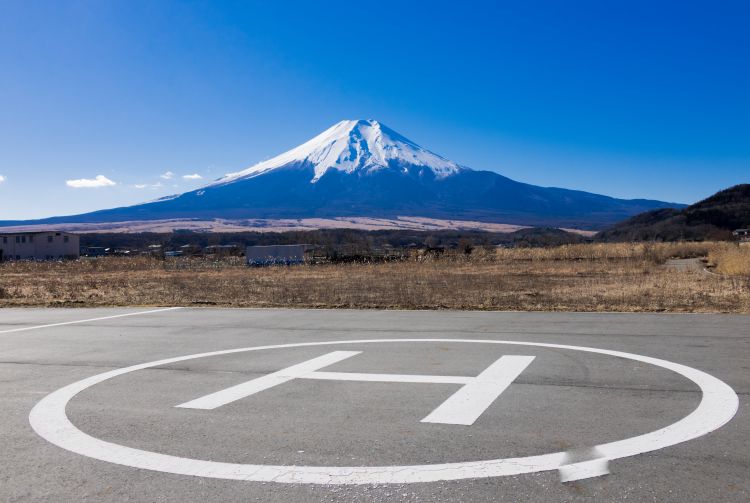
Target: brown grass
(599,277)
(649,252)
(731,259)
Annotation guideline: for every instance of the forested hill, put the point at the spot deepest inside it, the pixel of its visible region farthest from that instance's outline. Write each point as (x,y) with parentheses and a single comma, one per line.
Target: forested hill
(712,218)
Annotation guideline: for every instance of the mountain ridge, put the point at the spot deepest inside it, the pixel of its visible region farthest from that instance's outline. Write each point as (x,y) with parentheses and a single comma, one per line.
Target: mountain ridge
(365,169)
(714,217)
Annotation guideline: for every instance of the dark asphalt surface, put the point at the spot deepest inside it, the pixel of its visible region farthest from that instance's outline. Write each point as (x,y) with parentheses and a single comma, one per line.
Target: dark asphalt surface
(563,400)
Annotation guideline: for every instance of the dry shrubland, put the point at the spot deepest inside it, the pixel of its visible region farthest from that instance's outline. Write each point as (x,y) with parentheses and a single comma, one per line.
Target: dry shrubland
(648,252)
(589,277)
(731,259)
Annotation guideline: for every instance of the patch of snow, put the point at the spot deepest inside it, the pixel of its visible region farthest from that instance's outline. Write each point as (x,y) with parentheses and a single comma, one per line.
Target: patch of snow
(161,199)
(351,146)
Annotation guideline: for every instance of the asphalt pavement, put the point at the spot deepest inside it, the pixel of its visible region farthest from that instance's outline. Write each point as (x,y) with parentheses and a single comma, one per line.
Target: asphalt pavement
(203,404)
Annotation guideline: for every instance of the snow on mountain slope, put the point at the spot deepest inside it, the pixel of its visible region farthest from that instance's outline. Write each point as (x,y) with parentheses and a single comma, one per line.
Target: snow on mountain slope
(363,169)
(351,146)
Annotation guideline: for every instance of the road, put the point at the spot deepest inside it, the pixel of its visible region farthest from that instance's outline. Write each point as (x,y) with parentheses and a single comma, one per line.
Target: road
(410,419)
(686,265)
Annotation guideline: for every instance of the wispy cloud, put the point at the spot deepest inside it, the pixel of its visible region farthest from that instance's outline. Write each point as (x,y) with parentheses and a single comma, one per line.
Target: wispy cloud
(147,186)
(2,178)
(194,176)
(168,175)
(90,183)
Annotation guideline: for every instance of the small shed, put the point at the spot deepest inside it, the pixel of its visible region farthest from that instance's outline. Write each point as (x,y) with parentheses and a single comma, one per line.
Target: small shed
(40,245)
(276,254)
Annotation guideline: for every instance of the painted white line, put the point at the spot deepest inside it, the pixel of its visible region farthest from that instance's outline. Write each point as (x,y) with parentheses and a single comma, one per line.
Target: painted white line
(406,378)
(468,403)
(463,407)
(584,470)
(90,319)
(718,405)
(265,382)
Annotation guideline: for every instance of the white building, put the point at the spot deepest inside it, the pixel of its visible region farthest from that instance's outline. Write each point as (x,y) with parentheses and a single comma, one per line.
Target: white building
(276,254)
(47,245)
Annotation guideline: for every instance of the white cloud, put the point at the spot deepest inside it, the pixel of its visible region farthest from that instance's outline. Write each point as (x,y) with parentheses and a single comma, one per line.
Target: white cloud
(2,178)
(168,175)
(194,176)
(147,186)
(89,183)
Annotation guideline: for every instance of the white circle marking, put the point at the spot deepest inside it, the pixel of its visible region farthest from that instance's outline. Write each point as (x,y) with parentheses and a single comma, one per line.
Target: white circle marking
(718,405)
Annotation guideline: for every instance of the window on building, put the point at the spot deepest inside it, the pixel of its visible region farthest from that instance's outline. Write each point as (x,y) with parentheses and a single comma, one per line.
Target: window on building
(23,239)
(49,239)
(5,240)
(65,239)
(31,239)
(18,239)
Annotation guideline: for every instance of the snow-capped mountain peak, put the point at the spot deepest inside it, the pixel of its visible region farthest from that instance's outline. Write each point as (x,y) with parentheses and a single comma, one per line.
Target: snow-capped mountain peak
(350,146)
(365,169)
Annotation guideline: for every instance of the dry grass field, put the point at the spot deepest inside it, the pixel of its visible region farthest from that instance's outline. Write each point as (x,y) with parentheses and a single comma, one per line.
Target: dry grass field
(733,260)
(591,277)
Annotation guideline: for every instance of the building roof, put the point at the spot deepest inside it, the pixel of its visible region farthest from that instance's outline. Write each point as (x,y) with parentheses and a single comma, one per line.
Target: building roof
(37,232)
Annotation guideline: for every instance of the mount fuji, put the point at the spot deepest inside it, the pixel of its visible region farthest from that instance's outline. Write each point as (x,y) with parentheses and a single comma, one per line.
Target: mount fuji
(362,168)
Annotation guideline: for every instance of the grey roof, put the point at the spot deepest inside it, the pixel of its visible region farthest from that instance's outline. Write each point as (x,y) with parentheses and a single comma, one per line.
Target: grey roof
(37,232)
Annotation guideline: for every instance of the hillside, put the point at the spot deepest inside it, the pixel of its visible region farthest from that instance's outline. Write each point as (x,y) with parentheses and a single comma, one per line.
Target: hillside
(710,219)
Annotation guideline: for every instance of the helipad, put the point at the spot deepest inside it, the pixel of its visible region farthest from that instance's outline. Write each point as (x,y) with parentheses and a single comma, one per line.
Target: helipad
(459,402)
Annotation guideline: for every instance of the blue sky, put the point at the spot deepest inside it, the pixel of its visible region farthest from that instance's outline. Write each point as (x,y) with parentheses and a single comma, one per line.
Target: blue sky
(625,98)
